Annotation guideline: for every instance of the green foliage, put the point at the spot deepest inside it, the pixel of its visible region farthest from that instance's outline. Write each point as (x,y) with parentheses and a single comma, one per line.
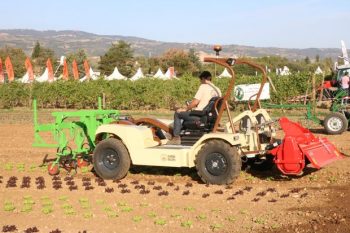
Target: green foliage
(144,94)
(28,203)
(8,166)
(183,61)
(21,167)
(79,56)
(120,55)
(160,222)
(126,209)
(40,55)
(87,215)
(137,219)
(216,226)
(9,206)
(47,210)
(63,198)
(201,217)
(36,50)
(189,208)
(187,224)
(152,214)
(17,57)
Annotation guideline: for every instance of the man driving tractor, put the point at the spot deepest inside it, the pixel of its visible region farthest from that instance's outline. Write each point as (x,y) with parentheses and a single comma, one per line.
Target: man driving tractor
(206,91)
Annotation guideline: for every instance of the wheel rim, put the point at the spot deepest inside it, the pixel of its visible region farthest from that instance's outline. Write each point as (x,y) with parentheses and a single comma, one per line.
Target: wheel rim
(110,159)
(335,124)
(216,164)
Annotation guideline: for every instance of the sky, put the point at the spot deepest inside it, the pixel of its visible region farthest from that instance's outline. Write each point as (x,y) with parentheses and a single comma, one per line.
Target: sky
(264,23)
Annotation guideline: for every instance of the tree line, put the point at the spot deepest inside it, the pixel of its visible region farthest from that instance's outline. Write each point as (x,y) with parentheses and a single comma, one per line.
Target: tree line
(121,54)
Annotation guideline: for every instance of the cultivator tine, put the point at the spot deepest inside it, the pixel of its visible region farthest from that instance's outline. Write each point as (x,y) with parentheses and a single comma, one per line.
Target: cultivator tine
(46,161)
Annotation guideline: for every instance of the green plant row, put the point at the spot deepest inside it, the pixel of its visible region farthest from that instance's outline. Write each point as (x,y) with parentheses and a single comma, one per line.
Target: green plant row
(143,94)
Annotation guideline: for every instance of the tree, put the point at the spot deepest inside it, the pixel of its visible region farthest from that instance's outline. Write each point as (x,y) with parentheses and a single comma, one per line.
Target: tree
(36,50)
(307,60)
(40,55)
(120,55)
(317,58)
(195,60)
(79,56)
(181,60)
(17,57)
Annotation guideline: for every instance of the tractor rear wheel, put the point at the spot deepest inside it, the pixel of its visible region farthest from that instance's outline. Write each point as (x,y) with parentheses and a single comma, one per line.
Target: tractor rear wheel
(217,162)
(111,159)
(335,123)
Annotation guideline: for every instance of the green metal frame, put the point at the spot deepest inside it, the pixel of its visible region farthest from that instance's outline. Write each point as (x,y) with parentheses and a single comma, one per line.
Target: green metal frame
(309,110)
(81,126)
(337,106)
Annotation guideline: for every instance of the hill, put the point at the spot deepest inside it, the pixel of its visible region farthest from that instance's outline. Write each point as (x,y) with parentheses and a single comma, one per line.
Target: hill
(63,42)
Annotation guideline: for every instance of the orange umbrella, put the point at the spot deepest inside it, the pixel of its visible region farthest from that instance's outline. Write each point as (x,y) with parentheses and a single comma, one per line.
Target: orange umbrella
(49,69)
(29,68)
(9,69)
(2,78)
(75,70)
(65,70)
(87,69)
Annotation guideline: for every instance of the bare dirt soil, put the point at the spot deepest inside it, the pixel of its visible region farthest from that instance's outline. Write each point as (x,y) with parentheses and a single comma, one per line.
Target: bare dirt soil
(166,200)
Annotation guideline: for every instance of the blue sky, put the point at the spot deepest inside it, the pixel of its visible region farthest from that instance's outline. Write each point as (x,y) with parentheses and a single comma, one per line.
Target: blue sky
(277,23)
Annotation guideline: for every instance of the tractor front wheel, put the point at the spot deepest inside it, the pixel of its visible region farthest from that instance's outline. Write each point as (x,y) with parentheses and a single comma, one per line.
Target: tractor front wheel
(111,159)
(335,123)
(217,162)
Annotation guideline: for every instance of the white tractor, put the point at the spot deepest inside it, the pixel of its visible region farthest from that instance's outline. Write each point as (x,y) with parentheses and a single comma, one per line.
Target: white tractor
(216,149)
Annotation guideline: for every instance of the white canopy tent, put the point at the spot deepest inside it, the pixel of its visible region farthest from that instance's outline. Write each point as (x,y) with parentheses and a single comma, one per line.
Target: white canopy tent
(170,73)
(45,77)
(93,76)
(116,75)
(225,74)
(138,75)
(25,78)
(159,74)
(284,71)
(318,70)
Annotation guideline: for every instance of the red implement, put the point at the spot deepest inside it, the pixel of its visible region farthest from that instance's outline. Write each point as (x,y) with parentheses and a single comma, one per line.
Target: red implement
(298,143)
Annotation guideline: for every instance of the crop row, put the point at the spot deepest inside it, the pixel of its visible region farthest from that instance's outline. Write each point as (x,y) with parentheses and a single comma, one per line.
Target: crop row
(144,94)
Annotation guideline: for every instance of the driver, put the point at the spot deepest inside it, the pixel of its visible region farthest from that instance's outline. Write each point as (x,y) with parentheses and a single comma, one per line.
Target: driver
(206,91)
(345,82)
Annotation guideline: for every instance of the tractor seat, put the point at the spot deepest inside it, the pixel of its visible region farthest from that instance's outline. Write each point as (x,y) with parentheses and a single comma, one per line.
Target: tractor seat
(204,119)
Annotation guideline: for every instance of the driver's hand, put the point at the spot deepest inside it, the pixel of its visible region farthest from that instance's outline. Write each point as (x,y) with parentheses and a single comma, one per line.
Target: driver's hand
(181,110)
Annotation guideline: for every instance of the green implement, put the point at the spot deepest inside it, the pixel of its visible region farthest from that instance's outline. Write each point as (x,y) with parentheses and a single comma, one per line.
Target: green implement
(73,135)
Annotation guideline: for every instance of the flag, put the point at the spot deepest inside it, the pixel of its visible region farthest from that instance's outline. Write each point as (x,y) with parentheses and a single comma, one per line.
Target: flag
(29,68)
(9,69)
(2,78)
(87,69)
(50,70)
(65,70)
(75,70)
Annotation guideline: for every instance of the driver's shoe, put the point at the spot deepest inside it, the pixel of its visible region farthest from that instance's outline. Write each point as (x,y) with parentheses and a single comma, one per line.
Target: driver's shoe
(174,141)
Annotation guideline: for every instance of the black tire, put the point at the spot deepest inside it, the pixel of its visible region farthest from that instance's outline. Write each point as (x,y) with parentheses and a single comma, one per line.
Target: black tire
(111,159)
(335,123)
(217,162)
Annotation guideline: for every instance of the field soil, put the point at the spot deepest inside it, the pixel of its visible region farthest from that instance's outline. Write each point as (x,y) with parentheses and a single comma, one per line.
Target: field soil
(172,200)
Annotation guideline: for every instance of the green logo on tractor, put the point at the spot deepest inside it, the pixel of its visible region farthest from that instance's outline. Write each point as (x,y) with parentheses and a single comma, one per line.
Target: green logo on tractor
(239,93)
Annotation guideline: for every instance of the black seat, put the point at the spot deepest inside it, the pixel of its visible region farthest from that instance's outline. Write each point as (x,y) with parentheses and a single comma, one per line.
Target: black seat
(204,120)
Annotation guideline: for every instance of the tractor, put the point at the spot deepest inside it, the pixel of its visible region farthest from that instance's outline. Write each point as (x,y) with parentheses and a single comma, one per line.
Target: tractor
(337,121)
(215,148)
